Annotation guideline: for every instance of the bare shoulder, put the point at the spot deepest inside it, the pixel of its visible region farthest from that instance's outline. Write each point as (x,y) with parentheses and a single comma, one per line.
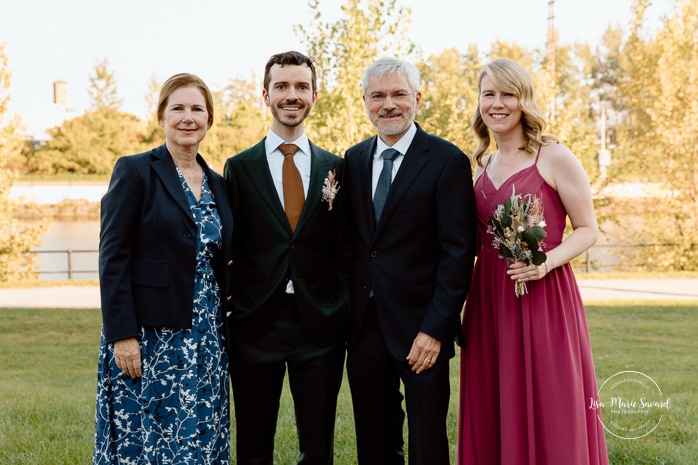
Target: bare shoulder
(556,162)
(556,152)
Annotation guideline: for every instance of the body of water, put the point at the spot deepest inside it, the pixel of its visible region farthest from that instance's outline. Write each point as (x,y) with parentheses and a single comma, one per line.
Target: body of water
(81,237)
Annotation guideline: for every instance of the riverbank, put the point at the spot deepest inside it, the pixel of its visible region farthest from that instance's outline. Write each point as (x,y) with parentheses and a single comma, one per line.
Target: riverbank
(66,200)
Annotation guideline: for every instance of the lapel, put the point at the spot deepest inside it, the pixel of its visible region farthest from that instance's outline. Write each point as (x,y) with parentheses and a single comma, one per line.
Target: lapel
(257,167)
(366,183)
(217,186)
(416,157)
(320,164)
(164,167)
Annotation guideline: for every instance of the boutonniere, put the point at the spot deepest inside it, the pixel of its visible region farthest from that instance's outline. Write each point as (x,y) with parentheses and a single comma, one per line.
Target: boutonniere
(330,188)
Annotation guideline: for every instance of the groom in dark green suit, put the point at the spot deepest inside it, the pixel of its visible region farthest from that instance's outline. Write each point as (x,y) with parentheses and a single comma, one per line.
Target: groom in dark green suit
(291,267)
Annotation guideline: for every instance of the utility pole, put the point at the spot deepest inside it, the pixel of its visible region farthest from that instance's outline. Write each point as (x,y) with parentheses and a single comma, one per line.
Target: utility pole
(551,55)
(604,154)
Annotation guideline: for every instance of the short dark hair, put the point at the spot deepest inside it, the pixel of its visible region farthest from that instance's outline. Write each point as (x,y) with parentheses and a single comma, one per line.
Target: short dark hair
(184,80)
(289,58)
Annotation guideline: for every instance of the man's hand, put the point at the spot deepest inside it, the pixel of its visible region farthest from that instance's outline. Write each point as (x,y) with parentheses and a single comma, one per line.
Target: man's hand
(424,352)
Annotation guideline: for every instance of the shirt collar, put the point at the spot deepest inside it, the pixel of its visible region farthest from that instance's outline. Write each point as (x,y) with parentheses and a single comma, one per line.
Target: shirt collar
(401,146)
(273,141)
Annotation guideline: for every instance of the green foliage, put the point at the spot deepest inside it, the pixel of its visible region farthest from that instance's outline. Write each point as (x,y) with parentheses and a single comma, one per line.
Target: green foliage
(153,135)
(449,95)
(517,53)
(15,238)
(89,144)
(576,121)
(660,93)
(240,121)
(606,75)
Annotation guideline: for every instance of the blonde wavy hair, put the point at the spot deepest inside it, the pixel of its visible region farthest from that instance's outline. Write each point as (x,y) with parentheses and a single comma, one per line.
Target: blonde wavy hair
(511,77)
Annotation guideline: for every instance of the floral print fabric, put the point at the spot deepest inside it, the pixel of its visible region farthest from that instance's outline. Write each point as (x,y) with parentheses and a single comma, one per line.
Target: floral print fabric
(178,411)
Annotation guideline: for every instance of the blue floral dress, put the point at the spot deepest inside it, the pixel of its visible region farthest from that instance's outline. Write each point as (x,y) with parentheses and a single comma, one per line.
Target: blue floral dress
(178,411)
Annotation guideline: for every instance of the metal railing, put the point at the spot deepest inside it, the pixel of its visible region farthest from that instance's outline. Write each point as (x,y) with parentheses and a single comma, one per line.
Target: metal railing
(70,269)
(599,258)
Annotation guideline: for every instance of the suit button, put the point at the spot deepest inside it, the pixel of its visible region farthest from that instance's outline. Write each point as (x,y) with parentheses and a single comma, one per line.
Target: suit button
(364,289)
(293,246)
(374,254)
(230,263)
(229,298)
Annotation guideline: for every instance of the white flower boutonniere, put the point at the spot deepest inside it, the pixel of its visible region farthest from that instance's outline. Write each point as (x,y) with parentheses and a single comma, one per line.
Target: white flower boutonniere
(330,188)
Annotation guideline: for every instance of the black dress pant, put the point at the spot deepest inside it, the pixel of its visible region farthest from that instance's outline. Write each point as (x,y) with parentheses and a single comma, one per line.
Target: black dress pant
(257,372)
(374,378)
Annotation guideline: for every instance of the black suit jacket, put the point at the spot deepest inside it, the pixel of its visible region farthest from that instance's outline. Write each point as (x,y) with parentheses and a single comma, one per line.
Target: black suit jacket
(317,256)
(147,247)
(419,258)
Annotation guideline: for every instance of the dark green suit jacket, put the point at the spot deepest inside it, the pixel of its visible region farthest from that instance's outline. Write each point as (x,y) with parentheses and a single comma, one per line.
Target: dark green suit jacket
(266,254)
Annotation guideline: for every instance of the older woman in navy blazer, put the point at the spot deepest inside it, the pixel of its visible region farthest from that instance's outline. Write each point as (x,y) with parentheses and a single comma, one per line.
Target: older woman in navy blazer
(165,260)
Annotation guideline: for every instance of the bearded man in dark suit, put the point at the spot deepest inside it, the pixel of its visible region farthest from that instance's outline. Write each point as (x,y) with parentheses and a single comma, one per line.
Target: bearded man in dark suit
(292,259)
(413,216)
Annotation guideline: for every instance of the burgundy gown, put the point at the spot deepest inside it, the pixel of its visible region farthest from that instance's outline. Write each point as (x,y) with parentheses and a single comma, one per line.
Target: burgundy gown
(527,373)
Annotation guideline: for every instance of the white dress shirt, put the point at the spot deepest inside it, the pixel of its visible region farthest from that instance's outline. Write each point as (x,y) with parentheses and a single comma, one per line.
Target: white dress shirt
(276,162)
(401,146)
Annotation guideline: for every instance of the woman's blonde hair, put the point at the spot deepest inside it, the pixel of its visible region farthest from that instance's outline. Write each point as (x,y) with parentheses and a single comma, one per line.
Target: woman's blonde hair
(511,77)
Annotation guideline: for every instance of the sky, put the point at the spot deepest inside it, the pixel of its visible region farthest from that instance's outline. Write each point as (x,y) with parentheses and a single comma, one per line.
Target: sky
(48,41)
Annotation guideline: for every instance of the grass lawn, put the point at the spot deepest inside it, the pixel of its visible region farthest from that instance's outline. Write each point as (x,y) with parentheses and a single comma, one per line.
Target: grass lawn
(48,364)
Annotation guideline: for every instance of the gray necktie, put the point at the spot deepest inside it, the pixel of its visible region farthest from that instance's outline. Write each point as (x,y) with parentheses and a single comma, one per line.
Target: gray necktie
(384,181)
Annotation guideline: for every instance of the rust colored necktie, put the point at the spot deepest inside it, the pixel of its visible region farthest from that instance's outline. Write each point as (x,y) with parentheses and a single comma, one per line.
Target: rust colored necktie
(294,198)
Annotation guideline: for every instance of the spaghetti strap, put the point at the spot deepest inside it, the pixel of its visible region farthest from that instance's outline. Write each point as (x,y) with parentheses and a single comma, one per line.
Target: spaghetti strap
(489,159)
(537,155)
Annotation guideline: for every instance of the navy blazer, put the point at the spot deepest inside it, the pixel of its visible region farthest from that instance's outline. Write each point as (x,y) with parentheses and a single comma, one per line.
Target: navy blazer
(418,259)
(147,246)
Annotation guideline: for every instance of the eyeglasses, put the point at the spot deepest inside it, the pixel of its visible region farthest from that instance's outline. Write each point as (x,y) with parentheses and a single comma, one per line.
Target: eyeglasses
(397,97)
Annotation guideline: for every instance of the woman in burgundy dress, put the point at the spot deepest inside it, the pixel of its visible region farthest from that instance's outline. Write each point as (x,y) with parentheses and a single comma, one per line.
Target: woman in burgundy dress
(527,372)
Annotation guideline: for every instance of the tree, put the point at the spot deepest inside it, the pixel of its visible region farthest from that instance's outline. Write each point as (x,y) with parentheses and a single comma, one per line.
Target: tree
(576,121)
(239,121)
(526,58)
(16,239)
(637,88)
(449,95)
(342,50)
(670,144)
(103,92)
(89,144)
(654,93)
(153,135)
(606,74)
